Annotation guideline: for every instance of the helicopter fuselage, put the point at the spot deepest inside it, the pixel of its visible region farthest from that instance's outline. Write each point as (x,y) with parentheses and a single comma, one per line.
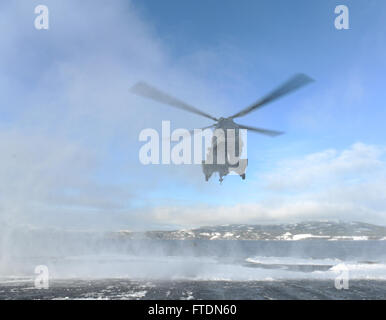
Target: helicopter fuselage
(226,140)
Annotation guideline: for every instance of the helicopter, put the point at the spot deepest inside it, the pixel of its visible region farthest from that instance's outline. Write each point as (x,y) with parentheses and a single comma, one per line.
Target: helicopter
(224,124)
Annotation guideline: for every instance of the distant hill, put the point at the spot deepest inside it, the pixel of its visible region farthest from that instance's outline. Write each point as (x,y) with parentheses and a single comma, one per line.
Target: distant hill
(321,230)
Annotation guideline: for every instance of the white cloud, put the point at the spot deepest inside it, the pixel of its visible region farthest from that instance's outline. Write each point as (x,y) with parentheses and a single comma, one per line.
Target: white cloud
(345,185)
(68,116)
(40,176)
(316,170)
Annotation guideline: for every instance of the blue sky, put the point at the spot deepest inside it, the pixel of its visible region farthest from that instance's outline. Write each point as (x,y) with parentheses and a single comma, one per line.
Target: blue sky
(69,127)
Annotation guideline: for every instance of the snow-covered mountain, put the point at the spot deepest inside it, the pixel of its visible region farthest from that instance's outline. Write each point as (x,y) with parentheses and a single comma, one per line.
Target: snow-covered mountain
(322,230)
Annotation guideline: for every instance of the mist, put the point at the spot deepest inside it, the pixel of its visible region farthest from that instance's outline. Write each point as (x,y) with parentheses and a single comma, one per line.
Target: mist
(67,102)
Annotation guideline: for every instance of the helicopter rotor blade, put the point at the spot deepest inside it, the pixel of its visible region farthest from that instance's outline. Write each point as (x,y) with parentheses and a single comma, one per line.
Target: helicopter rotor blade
(267,132)
(294,83)
(191,132)
(208,127)
(144,90)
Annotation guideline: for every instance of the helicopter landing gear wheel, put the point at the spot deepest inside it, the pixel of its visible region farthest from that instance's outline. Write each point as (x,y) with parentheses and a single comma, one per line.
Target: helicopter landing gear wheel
(242,176)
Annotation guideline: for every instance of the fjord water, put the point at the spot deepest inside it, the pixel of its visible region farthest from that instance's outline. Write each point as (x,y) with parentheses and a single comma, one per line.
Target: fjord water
(98,267)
